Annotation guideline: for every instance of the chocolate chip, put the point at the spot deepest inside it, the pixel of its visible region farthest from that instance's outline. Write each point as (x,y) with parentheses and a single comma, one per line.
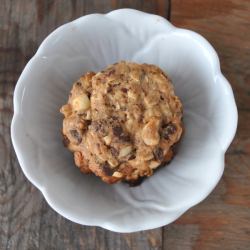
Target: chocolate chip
(158,154)
(111,72)
(162,98)
(88,94)
(76,135)
(98,127)
(125,138)
(136,182)
(115,118)
(115,85)
(66,141)
(168,130)
(132,157)
(78,84)
(114,151)
(132,154)
(117,130)
(109,89)
(124,90)
(107,169)
(88,122)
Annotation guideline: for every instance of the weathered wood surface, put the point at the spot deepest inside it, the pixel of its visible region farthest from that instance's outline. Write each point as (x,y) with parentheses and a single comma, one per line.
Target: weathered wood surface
(220,222)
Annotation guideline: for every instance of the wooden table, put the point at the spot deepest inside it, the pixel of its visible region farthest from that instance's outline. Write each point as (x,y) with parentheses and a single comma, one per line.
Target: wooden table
(222,221)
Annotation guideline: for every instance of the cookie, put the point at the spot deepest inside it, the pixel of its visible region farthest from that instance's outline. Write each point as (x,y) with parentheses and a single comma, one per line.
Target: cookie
(122,123)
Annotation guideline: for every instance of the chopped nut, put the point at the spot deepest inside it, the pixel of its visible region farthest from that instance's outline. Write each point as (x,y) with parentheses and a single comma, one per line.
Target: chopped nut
(86,80)
(73,147)
(129,124)
(132,95)
(81,103)
(118,96)
(107,139)
(66,110)
(152,112)
(117,106)
(113,163)
(125,151)
(145,153)
(152,98)
(150,133)
(117,174)
(88,115)
(154,164)
(135,75)
(101,156)
(79,159)
(166,109)
(168,156)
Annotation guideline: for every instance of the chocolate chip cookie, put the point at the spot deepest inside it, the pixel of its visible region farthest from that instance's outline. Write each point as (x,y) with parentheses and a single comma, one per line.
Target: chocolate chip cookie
(122,123)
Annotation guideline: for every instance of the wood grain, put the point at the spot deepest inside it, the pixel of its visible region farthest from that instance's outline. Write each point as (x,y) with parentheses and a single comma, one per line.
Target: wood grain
(220,222)
(26,221)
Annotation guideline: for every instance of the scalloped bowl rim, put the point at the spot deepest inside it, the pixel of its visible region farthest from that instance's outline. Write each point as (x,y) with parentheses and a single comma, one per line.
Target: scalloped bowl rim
(17,117)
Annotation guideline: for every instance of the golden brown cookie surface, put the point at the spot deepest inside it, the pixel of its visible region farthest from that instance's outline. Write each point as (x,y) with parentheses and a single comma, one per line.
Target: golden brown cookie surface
(122,122)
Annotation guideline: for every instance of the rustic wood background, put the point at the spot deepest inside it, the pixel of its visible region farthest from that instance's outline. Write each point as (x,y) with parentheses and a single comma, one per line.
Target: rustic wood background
(222,221)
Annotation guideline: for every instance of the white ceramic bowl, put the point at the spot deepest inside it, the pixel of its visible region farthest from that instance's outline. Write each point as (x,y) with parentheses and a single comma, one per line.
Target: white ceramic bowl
(90,43)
